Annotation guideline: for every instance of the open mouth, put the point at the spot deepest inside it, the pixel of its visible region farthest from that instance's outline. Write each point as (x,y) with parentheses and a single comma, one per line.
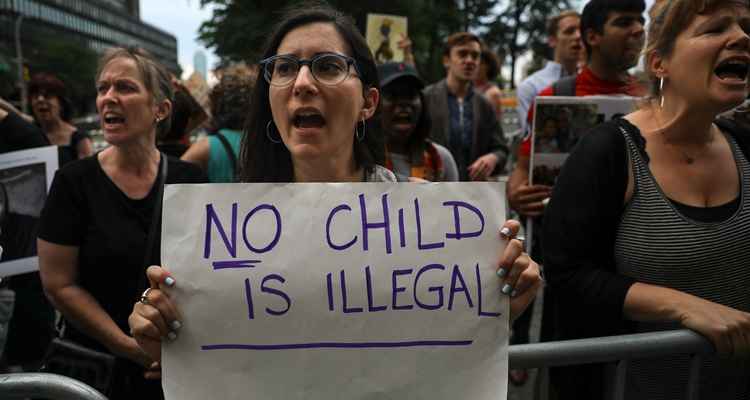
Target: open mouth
(113,119)
(735,70)
(308,118)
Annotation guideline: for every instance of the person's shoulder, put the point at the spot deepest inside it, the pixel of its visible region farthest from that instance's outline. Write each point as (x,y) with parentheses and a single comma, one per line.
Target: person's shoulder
(606,138)
(433,88)
(483,101)
(737,125)
(381,174)
(80,167)
(184,172)
(80,173)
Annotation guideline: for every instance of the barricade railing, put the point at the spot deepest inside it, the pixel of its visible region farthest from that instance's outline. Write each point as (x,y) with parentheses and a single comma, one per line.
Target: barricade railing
(45,386)
(615,352)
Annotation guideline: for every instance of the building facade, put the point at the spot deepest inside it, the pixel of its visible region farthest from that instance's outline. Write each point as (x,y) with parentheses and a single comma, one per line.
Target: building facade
(98,24)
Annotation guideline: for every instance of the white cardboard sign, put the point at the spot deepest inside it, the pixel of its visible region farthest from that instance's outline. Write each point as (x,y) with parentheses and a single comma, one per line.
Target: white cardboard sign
(25,179)
(336,291)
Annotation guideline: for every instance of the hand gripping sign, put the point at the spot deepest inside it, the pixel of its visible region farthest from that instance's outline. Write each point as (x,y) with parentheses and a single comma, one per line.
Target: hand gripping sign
(336,291)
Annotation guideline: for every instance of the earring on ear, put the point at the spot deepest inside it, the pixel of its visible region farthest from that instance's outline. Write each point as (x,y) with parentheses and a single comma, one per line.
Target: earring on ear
(360,135)
(661,92)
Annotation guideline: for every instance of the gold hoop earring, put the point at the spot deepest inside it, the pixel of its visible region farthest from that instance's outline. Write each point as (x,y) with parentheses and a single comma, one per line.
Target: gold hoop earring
(360,135)
(269,135)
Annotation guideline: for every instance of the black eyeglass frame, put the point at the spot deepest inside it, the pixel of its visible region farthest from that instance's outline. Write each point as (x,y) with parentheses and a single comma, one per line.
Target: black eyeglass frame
(309,62)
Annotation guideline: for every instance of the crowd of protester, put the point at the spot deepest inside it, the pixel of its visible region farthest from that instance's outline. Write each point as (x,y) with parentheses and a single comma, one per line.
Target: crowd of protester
(646,228)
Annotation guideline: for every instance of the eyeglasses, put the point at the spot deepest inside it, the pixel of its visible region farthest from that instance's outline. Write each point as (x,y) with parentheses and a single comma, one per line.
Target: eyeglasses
(328,68)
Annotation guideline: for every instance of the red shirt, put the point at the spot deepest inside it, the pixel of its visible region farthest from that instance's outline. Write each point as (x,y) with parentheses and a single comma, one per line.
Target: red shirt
(587,84)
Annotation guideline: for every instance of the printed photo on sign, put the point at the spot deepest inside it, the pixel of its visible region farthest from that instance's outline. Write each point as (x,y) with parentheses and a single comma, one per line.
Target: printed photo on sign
(560,123)
(25,178)
(383,34)
(336,291)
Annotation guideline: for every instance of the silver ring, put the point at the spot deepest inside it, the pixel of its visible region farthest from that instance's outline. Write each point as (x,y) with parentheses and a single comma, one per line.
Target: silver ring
(144,297)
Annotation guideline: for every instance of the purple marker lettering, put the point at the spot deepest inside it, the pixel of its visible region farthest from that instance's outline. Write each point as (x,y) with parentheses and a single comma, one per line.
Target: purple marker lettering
(328,229)
(277,235)
(211,219)
(277,292)
(458,235)
(368,279)
(421,246)
(401,230)
(329,285)
(385,225)
(437,289)
(249,299)
(344,305)
(479,298)
(455,278)
(397,289)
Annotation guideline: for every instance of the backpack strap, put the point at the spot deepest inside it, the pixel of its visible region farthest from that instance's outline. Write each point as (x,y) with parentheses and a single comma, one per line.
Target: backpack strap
(565,86)
(230,153)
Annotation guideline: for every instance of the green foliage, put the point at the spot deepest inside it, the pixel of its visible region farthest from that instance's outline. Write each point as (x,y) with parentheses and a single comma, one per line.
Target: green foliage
(521,26)
(239,28)
(72,62)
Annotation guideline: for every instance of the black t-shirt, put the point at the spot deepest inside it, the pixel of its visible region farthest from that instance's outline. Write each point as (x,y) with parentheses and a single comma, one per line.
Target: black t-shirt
(17,134)
(86,209)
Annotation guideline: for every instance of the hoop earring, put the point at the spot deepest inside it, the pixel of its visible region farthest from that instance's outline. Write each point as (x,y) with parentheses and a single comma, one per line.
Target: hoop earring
(661,92)
(269,135)
(360,135)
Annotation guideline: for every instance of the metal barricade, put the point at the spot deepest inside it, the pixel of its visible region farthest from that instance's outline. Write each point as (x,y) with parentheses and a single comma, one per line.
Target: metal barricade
(614,352)
(46,386)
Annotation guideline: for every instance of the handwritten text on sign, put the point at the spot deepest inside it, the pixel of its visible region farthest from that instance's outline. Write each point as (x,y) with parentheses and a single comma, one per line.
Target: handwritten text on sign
(335,291)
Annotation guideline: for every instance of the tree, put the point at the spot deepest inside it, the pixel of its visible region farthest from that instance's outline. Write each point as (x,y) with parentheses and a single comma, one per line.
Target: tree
(72,62)
(521,26)
(238,28)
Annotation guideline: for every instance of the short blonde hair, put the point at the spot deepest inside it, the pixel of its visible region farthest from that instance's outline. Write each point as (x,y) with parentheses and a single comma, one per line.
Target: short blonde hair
(553,24)
(156,79)
(668,19)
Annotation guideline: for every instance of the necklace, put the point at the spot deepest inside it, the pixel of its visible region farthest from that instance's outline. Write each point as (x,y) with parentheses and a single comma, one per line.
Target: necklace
(688,158)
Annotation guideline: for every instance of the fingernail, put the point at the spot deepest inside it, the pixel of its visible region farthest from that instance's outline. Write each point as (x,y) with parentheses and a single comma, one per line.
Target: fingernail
(176,325)
(169,281)
(501,272)
(171,336)
(513,293)
(505,232)
(507,289)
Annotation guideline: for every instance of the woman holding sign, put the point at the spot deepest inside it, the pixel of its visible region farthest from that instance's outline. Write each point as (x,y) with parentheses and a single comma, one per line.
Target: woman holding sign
(100,225)
(310,121)
(660,240)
